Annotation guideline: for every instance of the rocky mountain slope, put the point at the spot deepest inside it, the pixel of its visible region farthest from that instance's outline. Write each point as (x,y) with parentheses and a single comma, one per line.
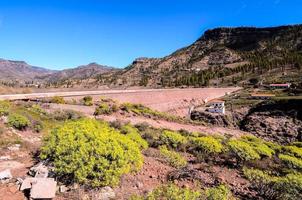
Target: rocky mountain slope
(19,71)
(220,56)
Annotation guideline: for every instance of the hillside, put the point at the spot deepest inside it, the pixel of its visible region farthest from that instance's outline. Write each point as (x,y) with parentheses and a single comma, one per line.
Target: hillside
(222,56)
(19,72)
(78,73)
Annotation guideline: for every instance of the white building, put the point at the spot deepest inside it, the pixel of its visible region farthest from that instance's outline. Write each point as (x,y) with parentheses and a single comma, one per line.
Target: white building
(216,106)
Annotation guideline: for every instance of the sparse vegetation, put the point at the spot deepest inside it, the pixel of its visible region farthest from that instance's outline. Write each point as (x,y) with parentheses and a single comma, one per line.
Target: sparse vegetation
(133,133)
(18,121)
(276,187)
(172,157)
(221,192)
(58,100)
(172,139)
(291,161)
(4,107)
(170,192)
(63,115)
(87,100)
(105,109)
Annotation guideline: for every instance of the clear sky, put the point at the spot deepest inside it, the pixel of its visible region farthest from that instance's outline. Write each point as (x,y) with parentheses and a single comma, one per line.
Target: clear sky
(66,33)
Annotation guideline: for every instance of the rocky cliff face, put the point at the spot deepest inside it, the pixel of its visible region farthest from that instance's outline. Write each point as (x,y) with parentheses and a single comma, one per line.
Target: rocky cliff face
(230,120)
(279,121)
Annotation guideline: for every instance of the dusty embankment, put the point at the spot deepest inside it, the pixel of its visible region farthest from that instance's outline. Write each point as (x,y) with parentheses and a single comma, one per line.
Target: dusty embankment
(174,101)
(89,110)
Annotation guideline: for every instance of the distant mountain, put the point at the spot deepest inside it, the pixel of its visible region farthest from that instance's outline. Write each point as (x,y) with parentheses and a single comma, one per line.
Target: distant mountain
(222,56)
(20,71)
(79,73)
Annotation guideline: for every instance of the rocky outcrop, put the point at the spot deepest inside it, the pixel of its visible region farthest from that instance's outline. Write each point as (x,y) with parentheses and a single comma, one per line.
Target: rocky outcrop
(228,120)
(273,126)
(279,121)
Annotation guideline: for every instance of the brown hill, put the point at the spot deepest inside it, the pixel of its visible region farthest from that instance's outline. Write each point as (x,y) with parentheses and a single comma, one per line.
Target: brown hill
(19,71)
(79,73)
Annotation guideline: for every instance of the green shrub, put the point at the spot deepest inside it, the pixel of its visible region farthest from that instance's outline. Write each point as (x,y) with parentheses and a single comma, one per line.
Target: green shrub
(63,115)
(274,187)
(172,157)
(172,139)
(276,147)
(293,151)
(103,109)
(297,144)
(58,100)
(133,133)
(220,192)
(91,152)
(152,135)
(207,145)
(87,101)
(173,192)
(291,161)
(242,150)
(18,121)
(290,186)
(37,109)
(4,108)
(258,145)
(37,126)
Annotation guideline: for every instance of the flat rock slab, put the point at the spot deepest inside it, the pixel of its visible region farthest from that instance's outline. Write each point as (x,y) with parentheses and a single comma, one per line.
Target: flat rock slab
(43,188)
(6,174)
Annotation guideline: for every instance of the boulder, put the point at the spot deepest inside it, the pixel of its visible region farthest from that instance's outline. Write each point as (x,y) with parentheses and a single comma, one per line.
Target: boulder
(63,188)
(5,175)
(39,171)
(106,193)
(43,188)
(15,147)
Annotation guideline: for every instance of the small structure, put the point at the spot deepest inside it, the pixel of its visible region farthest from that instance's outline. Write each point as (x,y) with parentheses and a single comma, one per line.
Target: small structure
(216,106)
(261,96)
(280,86)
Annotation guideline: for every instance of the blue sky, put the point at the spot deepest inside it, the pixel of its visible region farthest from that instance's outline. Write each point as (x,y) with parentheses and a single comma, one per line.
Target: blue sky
(66,33)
